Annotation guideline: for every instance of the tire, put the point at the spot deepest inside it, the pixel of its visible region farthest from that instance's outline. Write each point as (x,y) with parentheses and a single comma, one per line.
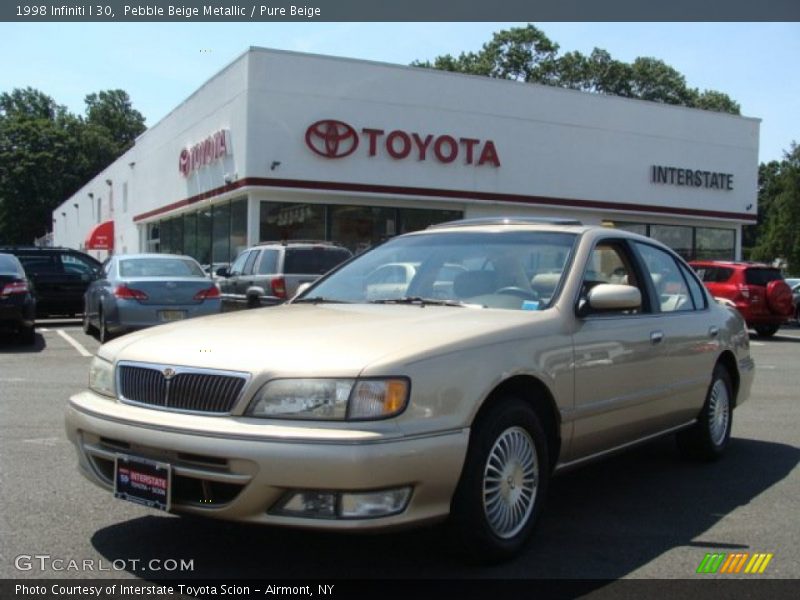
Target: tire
(88,328)
(103,334)
(709,437)
(253,302)
(492,516)
(767,330)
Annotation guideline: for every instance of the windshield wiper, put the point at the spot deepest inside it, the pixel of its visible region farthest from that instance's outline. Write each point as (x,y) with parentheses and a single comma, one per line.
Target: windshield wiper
(418,300)
(319,300)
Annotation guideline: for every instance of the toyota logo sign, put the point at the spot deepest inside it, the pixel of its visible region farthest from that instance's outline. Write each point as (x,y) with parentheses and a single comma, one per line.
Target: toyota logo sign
(332,139)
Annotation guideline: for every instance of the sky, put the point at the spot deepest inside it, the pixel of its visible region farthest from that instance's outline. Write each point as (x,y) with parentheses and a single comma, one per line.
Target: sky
(161,64)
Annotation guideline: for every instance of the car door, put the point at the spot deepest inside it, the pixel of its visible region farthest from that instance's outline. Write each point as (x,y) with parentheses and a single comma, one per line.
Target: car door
(45,270)
(618,359)
(228,285)
(690,342)
(98,288)
(246,279)
(78,273)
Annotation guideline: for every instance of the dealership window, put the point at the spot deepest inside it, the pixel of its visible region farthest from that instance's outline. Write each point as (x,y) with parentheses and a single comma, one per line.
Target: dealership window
(190,234)
(204,220)
(153,235)
(676,237)
(359,227)
(238,226)
(715,243)
(640,228)
(221,233)
(414,219)
(285,221)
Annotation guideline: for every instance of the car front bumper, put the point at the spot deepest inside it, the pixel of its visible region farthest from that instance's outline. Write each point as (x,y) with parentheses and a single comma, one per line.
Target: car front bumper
(222,468)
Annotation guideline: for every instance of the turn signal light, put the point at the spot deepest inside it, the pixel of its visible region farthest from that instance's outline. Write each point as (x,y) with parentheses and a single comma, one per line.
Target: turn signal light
(124,292)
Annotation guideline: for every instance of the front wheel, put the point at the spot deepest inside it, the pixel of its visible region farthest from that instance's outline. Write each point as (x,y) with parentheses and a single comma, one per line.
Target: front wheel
(709,437)
(502,488)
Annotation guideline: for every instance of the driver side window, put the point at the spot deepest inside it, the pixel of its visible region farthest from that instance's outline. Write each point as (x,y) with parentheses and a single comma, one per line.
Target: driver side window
(609,263)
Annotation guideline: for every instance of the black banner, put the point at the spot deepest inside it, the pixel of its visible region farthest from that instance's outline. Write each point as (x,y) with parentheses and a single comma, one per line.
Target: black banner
(406,11)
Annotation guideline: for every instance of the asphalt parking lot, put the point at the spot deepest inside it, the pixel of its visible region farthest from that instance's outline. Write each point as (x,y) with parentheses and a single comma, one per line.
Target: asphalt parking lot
(643,514)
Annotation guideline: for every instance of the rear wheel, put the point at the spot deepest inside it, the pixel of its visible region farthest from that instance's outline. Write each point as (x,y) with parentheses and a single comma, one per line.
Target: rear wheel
(88,328)
(709,437)
(502,488)
(767,330)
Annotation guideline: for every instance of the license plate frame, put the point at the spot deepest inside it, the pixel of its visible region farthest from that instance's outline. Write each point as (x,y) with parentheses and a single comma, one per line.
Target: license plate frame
(167,316)
(143,481)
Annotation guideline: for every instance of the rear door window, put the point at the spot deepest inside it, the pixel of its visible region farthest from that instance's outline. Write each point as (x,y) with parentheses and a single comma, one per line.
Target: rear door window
(315,260)
(761,276)
(714,274)
(248,266)
(269,262)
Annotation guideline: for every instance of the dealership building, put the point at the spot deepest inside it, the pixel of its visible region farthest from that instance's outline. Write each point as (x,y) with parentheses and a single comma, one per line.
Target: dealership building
(281,145)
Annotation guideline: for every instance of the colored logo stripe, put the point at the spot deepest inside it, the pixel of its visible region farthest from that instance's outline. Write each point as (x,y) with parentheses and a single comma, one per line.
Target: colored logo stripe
(719,562)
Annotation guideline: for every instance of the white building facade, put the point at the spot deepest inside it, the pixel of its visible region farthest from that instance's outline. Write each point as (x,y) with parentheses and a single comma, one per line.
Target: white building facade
(281,146)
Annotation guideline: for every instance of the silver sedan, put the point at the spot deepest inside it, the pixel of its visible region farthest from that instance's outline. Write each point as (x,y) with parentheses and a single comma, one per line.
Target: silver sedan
(142,290)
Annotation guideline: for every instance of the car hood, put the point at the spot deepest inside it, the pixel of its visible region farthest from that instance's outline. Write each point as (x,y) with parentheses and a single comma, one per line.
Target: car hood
(331,339)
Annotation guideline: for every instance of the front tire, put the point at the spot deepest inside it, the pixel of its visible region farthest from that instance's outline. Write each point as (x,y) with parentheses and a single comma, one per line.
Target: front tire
(709,437)
(503,485)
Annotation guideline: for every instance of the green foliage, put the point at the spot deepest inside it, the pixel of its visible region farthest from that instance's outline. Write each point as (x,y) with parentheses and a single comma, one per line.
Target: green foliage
(47,154)
(779,211)
(527,54)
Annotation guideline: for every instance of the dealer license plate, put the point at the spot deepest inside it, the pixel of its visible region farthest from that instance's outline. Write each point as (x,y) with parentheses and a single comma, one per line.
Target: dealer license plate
(142,481)
(171,315)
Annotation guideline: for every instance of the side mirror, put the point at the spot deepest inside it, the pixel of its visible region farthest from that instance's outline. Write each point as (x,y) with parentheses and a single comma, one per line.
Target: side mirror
(223,272)
(611,297)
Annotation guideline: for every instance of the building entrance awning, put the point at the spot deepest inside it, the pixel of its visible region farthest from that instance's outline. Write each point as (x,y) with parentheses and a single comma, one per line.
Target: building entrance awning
(101,237)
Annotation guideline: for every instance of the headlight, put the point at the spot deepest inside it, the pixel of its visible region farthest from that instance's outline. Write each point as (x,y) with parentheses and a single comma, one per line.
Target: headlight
(330,399)
(101,377)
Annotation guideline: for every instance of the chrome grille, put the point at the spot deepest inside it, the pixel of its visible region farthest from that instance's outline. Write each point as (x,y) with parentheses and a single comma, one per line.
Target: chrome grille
(183,390)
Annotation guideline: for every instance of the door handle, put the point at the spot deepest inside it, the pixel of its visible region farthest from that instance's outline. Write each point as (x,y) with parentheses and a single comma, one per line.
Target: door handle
(713,331)
(656,337)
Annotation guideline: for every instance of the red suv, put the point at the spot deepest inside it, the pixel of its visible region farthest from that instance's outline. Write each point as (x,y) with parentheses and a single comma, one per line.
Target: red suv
(758,291)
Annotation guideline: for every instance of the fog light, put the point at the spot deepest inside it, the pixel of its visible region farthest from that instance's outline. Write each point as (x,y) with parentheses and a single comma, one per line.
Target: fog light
(313,504)
(316,504)
(373,504)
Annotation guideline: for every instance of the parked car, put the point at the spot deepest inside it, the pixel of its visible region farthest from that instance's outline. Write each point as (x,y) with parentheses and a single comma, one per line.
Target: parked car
(796,300)
(17,303)
(758,291)
(60,277)
(272,272)
(337,412)
(141,290)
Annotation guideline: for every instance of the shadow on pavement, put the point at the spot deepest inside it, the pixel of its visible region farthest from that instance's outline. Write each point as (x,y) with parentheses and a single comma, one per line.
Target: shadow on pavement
(10,345)
(602,522)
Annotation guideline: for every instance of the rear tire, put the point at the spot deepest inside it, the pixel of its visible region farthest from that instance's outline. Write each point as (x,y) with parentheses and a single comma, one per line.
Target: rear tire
(88,328)
(767,330)
(503,485)
(709,437)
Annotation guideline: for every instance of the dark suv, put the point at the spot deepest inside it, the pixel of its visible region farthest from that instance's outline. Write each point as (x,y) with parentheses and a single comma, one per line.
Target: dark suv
(60,277)
(757,291)
(271,272)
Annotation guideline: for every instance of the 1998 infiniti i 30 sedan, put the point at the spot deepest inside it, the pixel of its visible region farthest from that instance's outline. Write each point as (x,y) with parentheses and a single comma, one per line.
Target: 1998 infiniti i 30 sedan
(545,345)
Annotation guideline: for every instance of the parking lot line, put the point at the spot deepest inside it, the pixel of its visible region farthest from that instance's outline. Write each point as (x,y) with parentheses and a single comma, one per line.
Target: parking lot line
(74,343)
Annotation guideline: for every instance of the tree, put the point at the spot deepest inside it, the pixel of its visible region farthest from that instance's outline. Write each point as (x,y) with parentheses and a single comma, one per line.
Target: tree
(47,154)
(780,194)
(527,54)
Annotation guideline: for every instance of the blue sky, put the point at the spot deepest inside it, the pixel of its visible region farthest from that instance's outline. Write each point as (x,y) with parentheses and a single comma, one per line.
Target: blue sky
(161,64)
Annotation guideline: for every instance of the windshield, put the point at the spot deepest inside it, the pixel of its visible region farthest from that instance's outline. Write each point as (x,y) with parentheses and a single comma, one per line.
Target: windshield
(509,270)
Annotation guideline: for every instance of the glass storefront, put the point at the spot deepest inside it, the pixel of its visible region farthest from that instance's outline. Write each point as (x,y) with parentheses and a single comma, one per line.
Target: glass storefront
(692,243)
